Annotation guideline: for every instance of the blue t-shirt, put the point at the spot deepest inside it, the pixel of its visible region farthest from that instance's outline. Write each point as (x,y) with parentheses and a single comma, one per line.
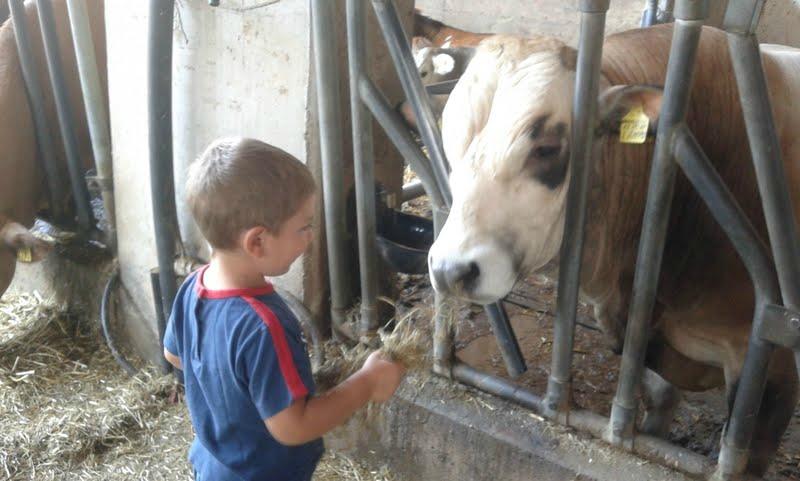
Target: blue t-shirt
(244,360)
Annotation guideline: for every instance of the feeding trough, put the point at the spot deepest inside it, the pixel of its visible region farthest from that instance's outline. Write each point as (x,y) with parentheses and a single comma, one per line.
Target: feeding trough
(403,241)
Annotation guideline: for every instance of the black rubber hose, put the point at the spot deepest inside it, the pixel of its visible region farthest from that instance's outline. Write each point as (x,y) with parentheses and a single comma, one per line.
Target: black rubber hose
(104,317)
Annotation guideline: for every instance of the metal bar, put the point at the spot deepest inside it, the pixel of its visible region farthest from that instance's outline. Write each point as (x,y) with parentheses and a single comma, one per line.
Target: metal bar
(766,151)
(330,134)
(412,190)
(726,210)
(390,121)
(497,386)
(94,102)
(779,215)
(161,322)
(441,88)
(650,14)
(364,166)
(647,446)
(33,87)
(400,51)
(584,111)
(680,68)
(162,182)
(79,190)
(753,378)
(507,341)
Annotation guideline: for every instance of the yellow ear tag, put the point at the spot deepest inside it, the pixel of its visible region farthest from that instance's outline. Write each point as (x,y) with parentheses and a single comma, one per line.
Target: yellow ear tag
(24,254)
(633,128)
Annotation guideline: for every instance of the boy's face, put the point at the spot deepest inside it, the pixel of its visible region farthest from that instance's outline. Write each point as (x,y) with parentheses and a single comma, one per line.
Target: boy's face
(291,241)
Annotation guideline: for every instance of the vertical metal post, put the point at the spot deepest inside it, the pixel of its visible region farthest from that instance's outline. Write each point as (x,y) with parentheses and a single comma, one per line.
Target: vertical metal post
(33,87)
(766,151)
(650,14)
(330,132)
(415,92)
(584,111)
(685,39)
(741,20)
(364,166)
(79,190)
(162,182)
(94,102)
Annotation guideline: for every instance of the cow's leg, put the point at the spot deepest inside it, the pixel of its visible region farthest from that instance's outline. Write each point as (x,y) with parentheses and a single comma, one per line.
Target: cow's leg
(660,400)
(667,370)
(775,412)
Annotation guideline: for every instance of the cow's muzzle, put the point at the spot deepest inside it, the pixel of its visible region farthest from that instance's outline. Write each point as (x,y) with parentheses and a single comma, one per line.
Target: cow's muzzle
(453,277)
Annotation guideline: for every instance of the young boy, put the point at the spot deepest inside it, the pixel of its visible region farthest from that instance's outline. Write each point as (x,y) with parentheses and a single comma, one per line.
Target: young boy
(247,374)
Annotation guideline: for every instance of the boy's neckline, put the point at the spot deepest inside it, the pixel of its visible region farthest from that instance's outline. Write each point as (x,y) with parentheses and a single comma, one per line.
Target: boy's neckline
(203,292)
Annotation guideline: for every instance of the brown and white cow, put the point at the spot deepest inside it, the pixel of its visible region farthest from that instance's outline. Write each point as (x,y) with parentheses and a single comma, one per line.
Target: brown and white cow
(506,130)
(22,183)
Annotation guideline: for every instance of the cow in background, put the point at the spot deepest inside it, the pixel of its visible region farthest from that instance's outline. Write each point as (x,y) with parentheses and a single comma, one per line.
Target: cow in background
(23,193)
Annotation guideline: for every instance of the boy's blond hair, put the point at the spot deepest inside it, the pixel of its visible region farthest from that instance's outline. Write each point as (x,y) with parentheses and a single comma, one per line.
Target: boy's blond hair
(240,183)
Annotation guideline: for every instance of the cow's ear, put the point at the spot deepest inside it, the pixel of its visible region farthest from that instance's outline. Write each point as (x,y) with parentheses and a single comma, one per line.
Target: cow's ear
(629,103)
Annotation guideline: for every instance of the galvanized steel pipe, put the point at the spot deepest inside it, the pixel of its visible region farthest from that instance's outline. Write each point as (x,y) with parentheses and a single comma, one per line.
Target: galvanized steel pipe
(94,102)
(685,40)
(330,135)
(364,166)
(584,113)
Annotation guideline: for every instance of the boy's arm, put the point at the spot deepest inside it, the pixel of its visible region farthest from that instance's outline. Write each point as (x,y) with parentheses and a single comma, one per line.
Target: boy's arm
(310,418)
(173,359)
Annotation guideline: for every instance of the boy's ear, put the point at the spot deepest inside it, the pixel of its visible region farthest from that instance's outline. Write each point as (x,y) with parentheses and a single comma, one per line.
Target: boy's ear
(254,241)
(618,101)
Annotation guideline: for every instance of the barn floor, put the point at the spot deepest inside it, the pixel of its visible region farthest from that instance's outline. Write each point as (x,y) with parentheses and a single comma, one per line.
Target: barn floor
(699,417)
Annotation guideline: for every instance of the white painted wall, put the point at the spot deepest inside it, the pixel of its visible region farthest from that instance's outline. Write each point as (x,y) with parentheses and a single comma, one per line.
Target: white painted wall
(239,69)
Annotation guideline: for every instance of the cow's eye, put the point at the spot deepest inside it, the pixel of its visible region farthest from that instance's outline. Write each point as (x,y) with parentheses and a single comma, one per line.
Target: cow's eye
(547,151)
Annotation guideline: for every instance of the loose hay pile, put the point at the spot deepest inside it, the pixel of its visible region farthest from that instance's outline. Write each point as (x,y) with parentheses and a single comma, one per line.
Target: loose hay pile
(67,411)
(409,343)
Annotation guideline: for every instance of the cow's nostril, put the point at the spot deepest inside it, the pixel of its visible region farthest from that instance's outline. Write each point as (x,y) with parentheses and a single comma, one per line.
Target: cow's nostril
(471,275)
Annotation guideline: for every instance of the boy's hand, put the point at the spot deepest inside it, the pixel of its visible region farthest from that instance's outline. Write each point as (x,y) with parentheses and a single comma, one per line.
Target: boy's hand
(386,376)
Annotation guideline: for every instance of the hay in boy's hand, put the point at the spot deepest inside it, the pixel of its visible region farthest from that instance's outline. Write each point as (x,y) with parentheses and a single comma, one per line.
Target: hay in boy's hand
(409,344)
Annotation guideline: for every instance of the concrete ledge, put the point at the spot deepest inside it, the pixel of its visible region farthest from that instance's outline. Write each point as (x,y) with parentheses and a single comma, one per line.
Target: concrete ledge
(436,429)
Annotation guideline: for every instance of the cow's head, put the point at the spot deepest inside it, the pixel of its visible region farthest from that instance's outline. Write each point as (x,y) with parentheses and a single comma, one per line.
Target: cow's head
(506,132)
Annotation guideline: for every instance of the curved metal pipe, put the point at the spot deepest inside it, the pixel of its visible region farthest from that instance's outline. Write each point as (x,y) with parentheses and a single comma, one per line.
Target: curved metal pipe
(162,180)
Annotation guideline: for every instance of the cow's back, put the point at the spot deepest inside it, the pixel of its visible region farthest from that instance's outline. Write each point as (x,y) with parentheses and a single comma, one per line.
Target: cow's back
(697,254)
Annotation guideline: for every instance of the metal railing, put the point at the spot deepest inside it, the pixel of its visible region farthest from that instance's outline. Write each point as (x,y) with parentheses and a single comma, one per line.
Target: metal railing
(774,324)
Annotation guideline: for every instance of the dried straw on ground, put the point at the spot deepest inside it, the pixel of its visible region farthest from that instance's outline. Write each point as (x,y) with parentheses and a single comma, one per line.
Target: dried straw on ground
(67,411)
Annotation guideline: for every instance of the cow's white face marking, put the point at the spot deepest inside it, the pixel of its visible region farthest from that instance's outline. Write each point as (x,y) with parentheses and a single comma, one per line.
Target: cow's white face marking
(505,132)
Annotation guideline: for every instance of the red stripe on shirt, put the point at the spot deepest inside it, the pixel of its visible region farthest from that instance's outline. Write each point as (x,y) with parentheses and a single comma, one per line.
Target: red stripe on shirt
(206,293)
(285,360)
